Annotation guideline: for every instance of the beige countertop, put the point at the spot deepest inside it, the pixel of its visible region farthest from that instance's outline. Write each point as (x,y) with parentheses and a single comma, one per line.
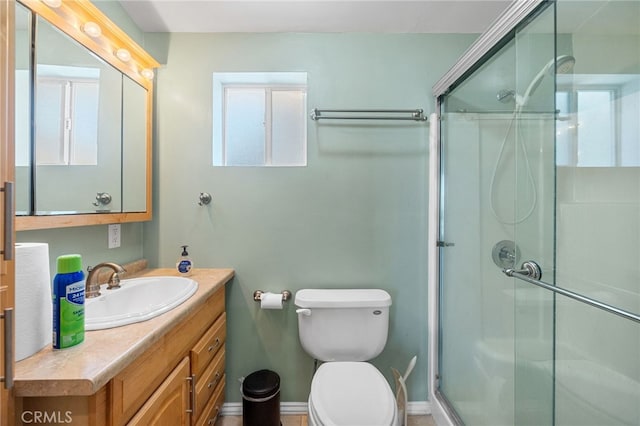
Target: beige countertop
(85,368)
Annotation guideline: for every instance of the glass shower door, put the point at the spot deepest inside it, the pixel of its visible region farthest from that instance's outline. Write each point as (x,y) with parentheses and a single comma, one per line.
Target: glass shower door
(540,161)
(497,209)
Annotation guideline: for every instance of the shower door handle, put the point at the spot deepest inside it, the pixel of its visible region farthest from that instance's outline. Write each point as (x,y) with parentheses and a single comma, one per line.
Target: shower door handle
(444,244)
(530,272)
(529,269)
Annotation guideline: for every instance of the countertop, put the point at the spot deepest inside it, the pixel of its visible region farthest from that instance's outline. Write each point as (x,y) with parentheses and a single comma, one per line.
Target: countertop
(83,369)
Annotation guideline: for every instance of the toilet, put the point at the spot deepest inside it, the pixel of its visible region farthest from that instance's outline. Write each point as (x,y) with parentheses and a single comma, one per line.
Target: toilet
(345,328)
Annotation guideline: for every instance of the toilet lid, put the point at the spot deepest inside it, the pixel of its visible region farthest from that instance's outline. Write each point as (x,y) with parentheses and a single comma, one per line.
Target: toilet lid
(352,393)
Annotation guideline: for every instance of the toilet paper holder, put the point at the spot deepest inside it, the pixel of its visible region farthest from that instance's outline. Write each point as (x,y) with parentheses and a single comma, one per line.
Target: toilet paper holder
(257,295)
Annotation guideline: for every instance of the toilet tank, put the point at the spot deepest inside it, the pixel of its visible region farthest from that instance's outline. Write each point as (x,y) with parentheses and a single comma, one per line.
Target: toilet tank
(343,324)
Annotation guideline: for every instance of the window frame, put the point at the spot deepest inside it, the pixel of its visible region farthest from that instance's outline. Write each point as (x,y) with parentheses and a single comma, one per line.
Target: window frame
(269,82)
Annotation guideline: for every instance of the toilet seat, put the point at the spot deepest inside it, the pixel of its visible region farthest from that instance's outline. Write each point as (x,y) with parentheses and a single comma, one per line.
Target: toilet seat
(351,394)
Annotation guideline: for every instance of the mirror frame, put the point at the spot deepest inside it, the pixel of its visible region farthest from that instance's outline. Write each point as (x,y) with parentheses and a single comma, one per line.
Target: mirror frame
(68,18)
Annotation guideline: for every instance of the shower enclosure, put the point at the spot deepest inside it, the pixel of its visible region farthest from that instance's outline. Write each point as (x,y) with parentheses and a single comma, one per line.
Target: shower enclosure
(538,166)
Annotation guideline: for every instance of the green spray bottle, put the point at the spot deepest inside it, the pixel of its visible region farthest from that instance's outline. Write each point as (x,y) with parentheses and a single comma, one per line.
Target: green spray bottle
(68,302)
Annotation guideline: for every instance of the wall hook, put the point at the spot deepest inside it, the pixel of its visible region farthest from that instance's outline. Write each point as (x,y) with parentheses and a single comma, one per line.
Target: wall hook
(204,199)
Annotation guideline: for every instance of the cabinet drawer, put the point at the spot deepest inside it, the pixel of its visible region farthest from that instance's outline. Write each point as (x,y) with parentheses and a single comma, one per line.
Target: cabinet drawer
(206,384)
(207,347)
(211,411)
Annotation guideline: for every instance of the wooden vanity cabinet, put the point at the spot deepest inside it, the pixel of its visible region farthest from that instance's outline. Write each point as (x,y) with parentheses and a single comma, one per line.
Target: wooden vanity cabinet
(178,380)
(185,358)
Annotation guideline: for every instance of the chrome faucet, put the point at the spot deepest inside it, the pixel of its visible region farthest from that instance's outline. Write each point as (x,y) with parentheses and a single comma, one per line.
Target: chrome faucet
(93,290)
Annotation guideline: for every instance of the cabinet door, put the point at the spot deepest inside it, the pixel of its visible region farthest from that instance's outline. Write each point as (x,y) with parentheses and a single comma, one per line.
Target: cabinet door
(169,403)
(7,235)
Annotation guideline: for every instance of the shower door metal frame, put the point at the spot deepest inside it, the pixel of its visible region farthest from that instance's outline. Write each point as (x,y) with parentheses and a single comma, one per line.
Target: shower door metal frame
(474,56)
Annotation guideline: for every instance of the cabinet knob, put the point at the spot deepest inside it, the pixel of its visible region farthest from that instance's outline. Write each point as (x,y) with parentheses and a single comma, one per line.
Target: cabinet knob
(212,420)
(215,345)
(215,381)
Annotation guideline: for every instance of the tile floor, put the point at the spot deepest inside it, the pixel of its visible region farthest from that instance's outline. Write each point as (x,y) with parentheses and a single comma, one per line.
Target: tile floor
(301,420)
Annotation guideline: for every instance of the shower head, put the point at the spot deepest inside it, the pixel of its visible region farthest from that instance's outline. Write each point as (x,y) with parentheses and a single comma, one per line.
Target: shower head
(563,64)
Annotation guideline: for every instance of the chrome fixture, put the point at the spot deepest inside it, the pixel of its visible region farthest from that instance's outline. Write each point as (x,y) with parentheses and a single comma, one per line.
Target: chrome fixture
(102,199)
(528,269)
(365,114)
(93,290)
(204,199)
(506,95)
(505,254)
(257,295)
(530,272)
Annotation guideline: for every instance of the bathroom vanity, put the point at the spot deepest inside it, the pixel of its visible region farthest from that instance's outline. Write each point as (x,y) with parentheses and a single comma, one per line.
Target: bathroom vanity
(168,370)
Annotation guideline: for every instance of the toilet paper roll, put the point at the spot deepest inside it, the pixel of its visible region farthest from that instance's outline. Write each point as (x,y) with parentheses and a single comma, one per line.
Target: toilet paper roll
(33,321)
(271,301)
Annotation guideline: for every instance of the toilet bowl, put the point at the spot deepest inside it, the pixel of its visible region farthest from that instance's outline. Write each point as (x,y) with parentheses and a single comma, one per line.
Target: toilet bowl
(344,328)
(351,394)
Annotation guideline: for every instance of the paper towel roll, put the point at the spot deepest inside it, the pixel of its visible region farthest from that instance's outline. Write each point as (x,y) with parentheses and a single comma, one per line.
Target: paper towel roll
(33,299)
(271,301)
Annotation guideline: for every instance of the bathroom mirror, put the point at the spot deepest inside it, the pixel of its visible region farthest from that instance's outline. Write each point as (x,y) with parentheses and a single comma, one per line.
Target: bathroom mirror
(83,100)
(77,126)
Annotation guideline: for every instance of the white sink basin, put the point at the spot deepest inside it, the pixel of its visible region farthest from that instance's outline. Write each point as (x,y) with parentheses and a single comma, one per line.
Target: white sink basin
(138,299)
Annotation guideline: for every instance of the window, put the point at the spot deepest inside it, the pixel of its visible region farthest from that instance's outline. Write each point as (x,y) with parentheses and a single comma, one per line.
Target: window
(597,124)
(67,111)
(259,119)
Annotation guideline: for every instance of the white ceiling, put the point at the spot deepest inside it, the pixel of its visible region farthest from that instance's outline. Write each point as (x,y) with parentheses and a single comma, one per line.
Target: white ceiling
(378,16)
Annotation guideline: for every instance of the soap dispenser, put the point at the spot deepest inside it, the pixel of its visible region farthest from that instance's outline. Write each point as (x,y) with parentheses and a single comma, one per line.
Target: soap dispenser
(184,264)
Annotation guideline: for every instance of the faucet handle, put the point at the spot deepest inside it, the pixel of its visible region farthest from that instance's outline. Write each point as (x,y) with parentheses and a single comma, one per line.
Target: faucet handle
(114,281)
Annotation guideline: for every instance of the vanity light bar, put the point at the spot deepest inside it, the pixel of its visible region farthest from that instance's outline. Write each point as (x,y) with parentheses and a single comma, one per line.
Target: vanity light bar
(93,29)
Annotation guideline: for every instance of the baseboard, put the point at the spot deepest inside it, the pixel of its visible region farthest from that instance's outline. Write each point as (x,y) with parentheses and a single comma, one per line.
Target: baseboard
(414,408)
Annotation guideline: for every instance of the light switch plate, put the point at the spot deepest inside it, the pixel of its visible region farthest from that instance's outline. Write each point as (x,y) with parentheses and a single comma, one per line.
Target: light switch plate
(114,236)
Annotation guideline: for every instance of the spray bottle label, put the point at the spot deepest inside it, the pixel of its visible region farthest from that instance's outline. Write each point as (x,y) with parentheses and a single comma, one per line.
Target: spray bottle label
(71,317)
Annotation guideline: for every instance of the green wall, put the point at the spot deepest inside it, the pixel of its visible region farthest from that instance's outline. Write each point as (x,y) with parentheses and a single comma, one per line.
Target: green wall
(356,216)
(90,241)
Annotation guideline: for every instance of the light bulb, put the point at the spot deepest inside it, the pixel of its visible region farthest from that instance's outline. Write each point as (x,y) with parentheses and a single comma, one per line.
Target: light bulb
(92,29)
(53,3)
(147,73)
(123,54)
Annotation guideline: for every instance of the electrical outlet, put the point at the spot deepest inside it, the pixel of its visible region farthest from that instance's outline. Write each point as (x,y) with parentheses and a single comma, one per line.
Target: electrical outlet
(114,236)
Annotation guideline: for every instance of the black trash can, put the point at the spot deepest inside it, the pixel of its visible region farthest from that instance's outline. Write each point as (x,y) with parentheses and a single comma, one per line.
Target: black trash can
(261,399)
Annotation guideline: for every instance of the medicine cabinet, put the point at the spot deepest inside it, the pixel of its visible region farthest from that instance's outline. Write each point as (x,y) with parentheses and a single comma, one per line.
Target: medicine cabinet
(83,118)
